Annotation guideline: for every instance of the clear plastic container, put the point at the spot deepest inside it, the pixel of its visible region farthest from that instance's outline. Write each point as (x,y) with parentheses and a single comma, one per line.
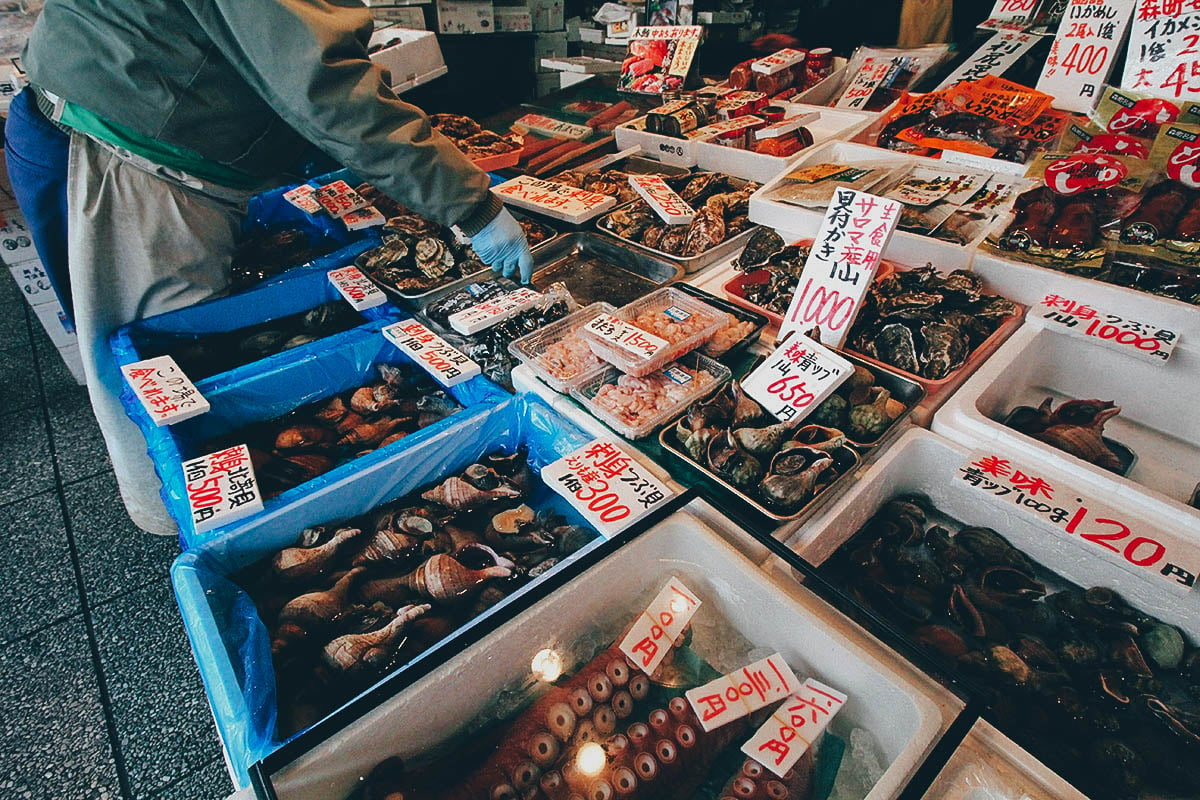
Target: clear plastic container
(669,314)
(535,349)
(675,387)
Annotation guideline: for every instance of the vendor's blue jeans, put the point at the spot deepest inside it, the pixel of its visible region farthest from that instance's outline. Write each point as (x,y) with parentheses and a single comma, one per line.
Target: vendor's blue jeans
(36,155)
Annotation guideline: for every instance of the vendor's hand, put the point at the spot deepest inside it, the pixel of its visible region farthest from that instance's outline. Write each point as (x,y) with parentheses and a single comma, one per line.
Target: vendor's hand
(502,246)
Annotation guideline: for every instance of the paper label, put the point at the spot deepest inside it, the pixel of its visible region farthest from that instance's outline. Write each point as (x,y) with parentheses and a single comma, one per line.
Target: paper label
(302,198)
(339,199)
(164,391)
(677,375)
(491,312)
(1120,537)
(958,158)
(787,126)
(865,82)
(358,290)
(448,365)
(726,126)
(1081,57)
(792,729)
(796,378)
(548,126)
(994,57)
(678,314)
(367,217)
(16,243)
(1164,50)
(1111,330)
(606,485)
(221,488)
(741,693)
(555,199)
(630,338)
(841,265)
(665,201)
(1009,15)
(651,637)
(778,61)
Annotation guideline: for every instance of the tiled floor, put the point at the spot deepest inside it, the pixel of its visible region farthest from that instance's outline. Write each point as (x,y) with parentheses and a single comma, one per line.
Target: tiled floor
(99,697)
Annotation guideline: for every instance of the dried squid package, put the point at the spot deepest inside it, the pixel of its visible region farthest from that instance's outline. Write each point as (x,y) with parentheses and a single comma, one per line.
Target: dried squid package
(814,186)
(931,195)
(1066,221)
(973,219)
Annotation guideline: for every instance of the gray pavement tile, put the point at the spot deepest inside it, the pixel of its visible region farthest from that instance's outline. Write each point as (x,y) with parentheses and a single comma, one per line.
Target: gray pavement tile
(210,782)
(26,467)
(37,581)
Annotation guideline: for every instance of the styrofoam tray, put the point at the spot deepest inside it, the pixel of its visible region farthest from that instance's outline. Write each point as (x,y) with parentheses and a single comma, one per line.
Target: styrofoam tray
(990,766)
(1157,420)
(905,248)
(667,149)
(772,616)
(833,124)
(1029,284)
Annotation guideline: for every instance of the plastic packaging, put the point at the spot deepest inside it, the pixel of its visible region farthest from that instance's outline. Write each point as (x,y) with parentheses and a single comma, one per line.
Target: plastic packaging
(682,321)
(256,393)
(672,388)
(533,349)
(230,642)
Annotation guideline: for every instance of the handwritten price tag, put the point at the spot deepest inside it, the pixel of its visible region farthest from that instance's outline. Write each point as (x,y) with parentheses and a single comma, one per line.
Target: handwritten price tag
(339,199)
(1137,338)
(359,290)
(995,56)
(164,391)
(554,199)
(738,694)
(613,330)
(665,201)
(777,62)
(796,378)
(492,312)
(547,126)
(650,638)
(367,217)
(841,265)
(448,365)
(607,485)
(1009,15)
(792,729)
(1115,535)
(1082,55)
(1163,57)
(221,488)
(302,198)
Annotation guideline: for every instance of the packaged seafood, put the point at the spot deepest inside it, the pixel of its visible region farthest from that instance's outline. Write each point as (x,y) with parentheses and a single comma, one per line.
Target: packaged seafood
(229,633)
(1082,662)
(558,353)
(637,406)
(502,703)
(675,322)
(595,267)
(739,335)
(876,77)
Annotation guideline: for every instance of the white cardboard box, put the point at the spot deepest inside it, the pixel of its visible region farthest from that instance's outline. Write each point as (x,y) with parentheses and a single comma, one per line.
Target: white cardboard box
(466,16)
(547,15)
(54,320)
(623,29)
(34,282)
(591,35)
(413,57)
(513,19)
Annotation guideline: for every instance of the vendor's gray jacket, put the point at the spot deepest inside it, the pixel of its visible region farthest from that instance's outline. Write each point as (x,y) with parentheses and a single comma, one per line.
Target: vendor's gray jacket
(245,82)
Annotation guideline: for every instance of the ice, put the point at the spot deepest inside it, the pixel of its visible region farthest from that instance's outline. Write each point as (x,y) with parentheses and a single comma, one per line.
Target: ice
(861,768)
(714,639)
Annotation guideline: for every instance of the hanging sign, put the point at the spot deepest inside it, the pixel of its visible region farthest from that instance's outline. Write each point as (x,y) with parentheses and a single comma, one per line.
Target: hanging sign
(1083,52)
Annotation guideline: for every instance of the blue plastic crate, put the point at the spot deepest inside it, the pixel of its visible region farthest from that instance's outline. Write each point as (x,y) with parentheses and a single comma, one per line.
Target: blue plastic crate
(231,644)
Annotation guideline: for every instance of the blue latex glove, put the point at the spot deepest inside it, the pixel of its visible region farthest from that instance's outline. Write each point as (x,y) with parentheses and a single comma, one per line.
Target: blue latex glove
(502,246)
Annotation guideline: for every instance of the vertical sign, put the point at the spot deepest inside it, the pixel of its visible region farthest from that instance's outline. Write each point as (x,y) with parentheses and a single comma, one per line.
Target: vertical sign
(1081,57)
(995,56)
(221,488)
(1164,49)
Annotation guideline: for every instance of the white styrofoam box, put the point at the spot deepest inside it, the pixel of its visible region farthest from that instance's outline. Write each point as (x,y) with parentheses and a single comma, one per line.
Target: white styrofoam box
(74,361)
(34,282)
(591,35)
(832,124)
(54,320)
(1029,284)
(513,19)
(622,29)
(547,14)
(412,57)
(549,45)
(823,92)
(568,79)
(906,248)
(920,462)
(667,149)
(743,608)
(465,16)
(987,764)
(1157,420)
(16,242)
(584,65)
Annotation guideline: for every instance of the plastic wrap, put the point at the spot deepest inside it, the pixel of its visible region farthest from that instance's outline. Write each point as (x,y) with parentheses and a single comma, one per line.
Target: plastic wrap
(229,640)
(269,390)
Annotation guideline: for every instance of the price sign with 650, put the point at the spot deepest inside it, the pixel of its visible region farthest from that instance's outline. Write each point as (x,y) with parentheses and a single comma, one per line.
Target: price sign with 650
(1118,536)
(794,380)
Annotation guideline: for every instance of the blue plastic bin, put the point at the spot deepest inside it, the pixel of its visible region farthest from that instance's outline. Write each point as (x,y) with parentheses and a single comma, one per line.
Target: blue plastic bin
(271,388)
(231,644)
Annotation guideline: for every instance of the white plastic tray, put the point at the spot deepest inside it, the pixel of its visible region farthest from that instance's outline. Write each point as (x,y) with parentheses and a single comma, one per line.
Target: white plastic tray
(1158,418)
(667,149)
(1029,284)
(774,616)
(906,248)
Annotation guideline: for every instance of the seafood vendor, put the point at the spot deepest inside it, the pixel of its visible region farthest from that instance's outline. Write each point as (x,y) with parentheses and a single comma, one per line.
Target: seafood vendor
(179,111)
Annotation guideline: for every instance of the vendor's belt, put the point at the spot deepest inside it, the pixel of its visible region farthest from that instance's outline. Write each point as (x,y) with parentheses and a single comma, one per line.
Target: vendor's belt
(51,106)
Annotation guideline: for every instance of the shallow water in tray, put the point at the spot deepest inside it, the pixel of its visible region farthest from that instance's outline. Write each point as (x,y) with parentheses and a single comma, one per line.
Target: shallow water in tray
(591,279)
